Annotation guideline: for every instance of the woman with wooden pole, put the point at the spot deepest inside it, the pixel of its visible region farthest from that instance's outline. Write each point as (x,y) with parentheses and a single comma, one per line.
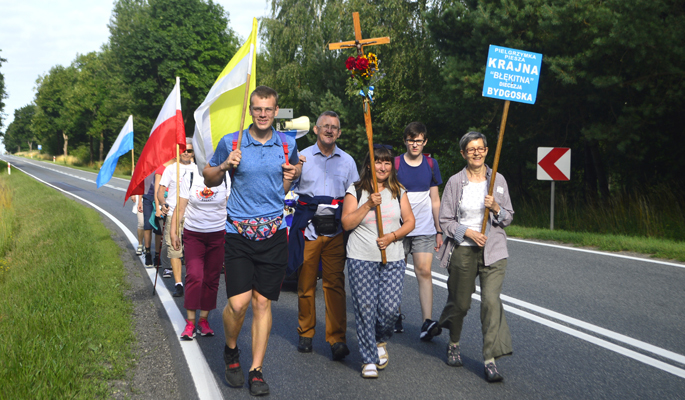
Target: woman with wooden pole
(468,253)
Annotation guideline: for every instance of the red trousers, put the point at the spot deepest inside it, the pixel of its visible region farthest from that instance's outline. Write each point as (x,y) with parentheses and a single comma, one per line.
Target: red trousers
(204,254)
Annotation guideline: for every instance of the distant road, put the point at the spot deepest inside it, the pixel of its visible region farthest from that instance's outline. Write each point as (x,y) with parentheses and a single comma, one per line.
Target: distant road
(584,325)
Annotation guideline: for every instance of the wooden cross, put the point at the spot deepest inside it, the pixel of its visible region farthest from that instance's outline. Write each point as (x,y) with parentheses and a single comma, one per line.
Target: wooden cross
(358,43)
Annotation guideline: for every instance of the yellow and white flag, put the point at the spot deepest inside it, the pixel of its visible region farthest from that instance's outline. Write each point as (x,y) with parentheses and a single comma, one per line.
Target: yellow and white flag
(220,112)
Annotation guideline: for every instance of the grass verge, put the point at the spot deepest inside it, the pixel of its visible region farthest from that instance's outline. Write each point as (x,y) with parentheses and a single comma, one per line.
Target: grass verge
(660,248)
(64,320)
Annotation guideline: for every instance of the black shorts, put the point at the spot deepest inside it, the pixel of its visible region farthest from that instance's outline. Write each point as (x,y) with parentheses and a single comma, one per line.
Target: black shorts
(255,264)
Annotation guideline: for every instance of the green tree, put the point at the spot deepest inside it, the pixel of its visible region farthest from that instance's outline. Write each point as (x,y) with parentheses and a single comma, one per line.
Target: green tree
(311,78)
(102,99)
(56,118)
(155,41)
(19,135)
(611,85)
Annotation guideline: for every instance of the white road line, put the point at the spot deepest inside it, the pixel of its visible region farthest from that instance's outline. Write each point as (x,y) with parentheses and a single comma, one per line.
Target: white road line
(584,325)
(602,253)
(205,384)
(76,176)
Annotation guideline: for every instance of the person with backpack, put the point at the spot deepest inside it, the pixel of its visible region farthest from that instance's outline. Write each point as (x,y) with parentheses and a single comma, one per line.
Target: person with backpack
(376,287)
(316,235)
(262,168)
(420,175)
(203,210)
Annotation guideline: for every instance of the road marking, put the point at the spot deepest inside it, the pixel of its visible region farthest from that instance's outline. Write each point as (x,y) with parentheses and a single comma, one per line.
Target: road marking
(205,384)
(76,176)
(602,253)
(441,282)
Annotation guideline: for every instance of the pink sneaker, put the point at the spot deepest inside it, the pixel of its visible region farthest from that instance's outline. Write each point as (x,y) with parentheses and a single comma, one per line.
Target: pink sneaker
(189,331)
(204,329)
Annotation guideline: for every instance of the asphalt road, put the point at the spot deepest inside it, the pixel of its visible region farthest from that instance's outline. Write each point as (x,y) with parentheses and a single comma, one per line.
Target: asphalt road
(584,325)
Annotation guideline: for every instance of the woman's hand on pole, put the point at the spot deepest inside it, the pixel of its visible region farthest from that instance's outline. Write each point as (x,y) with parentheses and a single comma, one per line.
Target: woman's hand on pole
(373,201)
(385,241)
(492,204)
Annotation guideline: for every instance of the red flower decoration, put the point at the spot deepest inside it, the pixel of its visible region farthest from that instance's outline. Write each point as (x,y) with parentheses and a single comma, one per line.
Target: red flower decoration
(350,63)
(362,64)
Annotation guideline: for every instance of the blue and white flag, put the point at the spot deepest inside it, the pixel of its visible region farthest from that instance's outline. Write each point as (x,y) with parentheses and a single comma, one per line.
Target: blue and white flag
(121,146)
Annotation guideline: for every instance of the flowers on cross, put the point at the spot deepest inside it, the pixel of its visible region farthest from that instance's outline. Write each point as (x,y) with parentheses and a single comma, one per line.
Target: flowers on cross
(364,70)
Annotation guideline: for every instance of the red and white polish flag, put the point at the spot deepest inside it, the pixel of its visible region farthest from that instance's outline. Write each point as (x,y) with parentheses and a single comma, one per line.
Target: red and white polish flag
(167,132)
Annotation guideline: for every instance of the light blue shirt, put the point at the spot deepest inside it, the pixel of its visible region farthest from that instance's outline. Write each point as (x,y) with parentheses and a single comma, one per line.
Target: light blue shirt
(325,176)
(257,184)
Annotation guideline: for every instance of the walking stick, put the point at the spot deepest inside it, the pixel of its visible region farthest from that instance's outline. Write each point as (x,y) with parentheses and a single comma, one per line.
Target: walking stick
(154,287)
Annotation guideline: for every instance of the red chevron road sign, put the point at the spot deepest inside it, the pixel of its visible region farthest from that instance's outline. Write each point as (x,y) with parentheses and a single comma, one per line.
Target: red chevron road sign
(554,163)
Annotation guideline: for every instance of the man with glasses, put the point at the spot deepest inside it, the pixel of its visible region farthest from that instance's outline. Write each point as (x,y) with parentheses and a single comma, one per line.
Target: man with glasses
(256,249)
(316,235)
(420,175)
(167,206)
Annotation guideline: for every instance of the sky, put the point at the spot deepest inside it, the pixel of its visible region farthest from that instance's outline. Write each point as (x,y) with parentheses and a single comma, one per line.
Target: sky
(36,35)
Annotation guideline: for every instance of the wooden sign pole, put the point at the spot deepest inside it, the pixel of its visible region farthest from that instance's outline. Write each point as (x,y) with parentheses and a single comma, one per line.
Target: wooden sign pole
(495,163)
(358,43)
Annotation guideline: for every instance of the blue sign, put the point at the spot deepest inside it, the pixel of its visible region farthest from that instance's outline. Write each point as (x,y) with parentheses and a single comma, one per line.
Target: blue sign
(40,147)
(512,74)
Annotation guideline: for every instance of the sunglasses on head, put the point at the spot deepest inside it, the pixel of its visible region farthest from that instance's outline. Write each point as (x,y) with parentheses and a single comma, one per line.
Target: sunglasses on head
(382,146)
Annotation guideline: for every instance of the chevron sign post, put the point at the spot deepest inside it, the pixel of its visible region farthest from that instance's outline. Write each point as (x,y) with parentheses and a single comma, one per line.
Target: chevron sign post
(554,164)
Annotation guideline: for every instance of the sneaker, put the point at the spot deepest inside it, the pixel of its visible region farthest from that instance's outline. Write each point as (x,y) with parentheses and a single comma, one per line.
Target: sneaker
(167,273)
(398,324)
(304,345)
(454,355)
(339,351)
(429,330)
(139,251)
(491,373)
(203,328)
(148,260)
(189,331)
(178,291)
(257,385)
(234,374)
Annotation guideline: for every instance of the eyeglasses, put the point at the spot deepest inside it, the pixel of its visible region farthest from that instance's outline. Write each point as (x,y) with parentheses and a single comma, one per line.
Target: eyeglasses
(474,149)
(189,151)
(259,110)
(416,142)
(327,127)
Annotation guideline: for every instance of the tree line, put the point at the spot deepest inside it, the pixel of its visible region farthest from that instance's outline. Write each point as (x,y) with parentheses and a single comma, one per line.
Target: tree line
(611,85)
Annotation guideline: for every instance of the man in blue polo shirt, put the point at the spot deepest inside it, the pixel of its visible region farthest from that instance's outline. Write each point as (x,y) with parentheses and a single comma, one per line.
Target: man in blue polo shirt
(316,235)
(256,248)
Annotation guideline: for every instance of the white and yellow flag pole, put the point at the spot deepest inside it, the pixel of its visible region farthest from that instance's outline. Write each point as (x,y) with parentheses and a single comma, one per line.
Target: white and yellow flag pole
(224,110)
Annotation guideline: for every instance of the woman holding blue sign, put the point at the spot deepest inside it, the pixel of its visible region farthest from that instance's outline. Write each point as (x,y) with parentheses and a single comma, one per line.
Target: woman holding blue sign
(467,253)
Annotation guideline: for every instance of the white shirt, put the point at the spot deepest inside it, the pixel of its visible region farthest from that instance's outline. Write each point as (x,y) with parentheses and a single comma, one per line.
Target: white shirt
(472,208)
(206,209)
(169,181)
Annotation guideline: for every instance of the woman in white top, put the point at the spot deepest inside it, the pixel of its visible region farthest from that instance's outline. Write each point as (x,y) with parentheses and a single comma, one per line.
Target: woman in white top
(204,210)
(467,253)
(376,287)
